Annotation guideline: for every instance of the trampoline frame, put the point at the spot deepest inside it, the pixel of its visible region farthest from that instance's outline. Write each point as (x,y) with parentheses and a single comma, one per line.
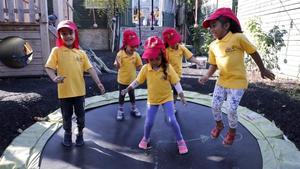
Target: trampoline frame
(276,150)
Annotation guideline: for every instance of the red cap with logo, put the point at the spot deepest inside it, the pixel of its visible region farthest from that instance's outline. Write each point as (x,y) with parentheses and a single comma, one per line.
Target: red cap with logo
(130,38)
(153,47)
(171,36)
(71,25)
(227,12)
(66,24)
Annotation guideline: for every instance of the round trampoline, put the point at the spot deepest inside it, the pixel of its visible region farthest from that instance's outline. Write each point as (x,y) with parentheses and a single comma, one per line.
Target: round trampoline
(112,144)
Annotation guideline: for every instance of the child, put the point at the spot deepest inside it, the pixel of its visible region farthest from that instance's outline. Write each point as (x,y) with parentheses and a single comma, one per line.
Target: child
(127,62)
(226,53)
(66,66)
(175,52)
(159,75)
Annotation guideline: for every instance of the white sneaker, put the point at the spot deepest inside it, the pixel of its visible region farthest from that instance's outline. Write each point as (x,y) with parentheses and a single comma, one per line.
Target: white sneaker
(136,113)
(120,115)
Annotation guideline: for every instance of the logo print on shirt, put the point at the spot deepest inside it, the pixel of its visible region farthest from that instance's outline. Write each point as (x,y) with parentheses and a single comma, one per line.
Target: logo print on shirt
(78,58)
(229,49)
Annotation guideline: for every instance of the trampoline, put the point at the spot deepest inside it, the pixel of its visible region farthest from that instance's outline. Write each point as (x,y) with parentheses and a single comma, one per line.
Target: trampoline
(112,144)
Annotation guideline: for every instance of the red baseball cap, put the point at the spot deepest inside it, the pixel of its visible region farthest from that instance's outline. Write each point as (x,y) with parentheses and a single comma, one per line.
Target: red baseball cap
(171,36)
(227,12)
(152,48)
(130,38)
(66,24)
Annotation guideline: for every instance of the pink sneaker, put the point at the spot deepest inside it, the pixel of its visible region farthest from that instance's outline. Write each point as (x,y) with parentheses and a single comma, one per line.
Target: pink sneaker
(182,147)
(144,143)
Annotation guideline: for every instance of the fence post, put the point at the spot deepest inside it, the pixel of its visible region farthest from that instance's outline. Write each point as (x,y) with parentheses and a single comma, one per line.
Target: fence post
(11,12)
(31,11)
(1,11)
(21,10)
(44,30)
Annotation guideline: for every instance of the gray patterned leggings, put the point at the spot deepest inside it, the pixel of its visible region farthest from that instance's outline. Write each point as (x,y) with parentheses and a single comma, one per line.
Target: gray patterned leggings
(233,97)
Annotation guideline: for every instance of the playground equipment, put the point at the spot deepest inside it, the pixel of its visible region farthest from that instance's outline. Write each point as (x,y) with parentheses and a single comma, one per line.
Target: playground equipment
(15,52)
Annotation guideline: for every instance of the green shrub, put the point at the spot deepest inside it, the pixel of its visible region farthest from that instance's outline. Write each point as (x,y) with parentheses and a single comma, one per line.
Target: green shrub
(268,44)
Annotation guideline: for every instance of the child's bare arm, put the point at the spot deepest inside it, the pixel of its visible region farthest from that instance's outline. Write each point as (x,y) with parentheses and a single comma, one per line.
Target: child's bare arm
(265,73)
(117,62)
(53,77)
(211,70)
(96,79)
(133,85)
(194,60)
(179,90)
(139,67)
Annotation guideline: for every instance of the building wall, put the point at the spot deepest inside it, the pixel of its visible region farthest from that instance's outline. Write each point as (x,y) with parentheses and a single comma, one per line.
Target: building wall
(286,15)
(96,39)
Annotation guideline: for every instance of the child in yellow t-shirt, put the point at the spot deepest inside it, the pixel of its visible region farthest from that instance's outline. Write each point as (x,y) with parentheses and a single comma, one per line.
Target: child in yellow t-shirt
(175,53)
(127,62)
(66,66)
(226,53)
(159,76)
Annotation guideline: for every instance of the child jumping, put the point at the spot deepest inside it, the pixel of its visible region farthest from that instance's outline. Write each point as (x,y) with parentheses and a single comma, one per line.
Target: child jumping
(175,52)
(226,53)
(66,66)
(128,61)
(159,76)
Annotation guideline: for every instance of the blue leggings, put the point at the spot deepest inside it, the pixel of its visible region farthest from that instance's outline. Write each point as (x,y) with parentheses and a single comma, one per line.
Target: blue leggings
(151,113)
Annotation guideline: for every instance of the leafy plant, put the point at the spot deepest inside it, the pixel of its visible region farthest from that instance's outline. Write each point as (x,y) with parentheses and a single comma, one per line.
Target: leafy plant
(268,43)
(201,39)
(109,7)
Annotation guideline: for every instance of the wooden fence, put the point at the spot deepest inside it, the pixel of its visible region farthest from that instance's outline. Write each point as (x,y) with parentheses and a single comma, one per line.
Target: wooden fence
(27,19)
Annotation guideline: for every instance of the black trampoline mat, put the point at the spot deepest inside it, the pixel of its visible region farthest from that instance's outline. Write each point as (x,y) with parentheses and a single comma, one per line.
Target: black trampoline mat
(110,144)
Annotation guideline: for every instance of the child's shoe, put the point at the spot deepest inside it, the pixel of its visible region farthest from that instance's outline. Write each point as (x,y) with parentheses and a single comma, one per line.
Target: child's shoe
(228,140)
(215,132)
(182,148)
(79,140)
(120,115)
(144,143)
(135,112)
(67,141)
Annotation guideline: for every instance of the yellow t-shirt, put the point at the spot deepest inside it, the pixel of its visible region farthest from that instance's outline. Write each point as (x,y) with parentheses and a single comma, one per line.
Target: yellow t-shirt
(175,57)
(71,64)
(128,65)
(159,89)
(228,55)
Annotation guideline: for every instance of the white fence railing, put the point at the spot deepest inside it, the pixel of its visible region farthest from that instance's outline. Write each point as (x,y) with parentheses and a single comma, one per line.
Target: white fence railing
(20,11)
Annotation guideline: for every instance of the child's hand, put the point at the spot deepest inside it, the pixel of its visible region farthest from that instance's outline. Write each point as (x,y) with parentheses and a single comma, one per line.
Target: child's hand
(203,79)
(124,91)
(117,63)
(265,73)
(58,79)
(201,63)
(181,95)
(101,87)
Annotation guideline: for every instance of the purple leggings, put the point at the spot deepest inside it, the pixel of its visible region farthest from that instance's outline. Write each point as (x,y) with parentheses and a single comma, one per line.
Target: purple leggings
(151,112)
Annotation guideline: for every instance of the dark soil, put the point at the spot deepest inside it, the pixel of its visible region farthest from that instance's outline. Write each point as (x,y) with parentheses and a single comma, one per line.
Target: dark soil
(21,99)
